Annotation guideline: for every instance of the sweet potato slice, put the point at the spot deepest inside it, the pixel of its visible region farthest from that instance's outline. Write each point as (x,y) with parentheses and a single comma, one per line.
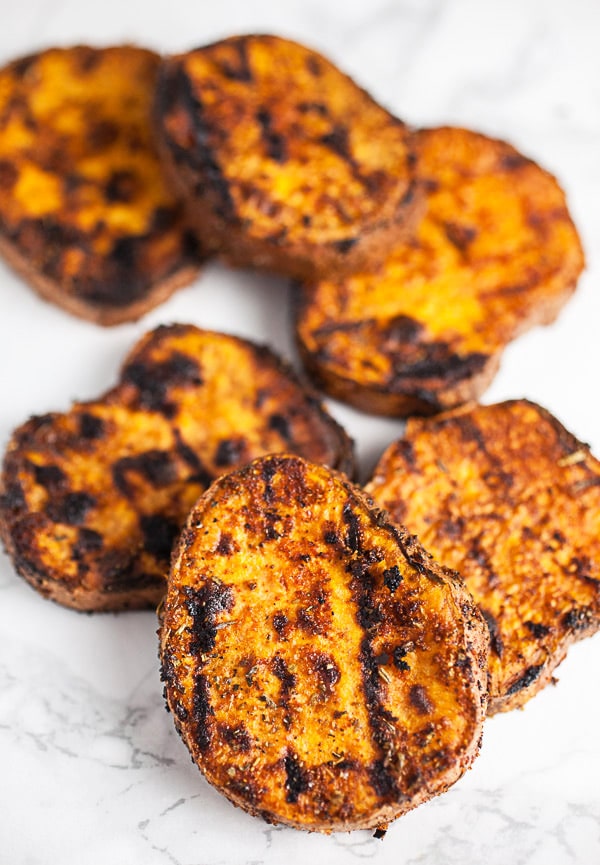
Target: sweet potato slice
(92,499)
(322,669)
(509,498)
(495,254)
(85,213)
(286,163)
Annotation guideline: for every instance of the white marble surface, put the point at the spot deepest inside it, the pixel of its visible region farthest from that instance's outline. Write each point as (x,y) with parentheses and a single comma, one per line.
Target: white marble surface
(91,768)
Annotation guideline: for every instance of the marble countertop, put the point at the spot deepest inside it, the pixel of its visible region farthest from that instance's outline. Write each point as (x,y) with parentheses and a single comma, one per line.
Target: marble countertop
(92,769)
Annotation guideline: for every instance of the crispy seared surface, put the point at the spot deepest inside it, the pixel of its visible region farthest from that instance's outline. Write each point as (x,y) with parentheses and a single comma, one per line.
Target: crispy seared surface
(92,499)
(509,498)
(495,254)
(287,164)
(85,214)
(322,669)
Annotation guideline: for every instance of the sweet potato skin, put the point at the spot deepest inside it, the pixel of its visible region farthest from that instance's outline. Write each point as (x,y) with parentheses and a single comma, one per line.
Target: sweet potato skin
(86,215)
(92,499)
(286,164)
(495,254)
(322,669)
(509,498)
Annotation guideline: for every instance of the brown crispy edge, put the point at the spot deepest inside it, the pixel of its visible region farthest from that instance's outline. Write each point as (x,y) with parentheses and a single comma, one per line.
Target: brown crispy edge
(473,621)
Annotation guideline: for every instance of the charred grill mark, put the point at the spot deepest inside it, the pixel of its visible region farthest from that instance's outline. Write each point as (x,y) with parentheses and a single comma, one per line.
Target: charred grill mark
(319,108)
(470,432)
(297,780)
(578,619)
(353,537)
(159,534)
(241,69)
(49,476)
(344,246)
(202,711)
(275,144)
(238,738)
(204,605)
(438,363)
(229,451)
(90,426)
(288,679)
(154,380)
(314,66)
(88,541)
(524,681)
(121,187)
(101,134)
(154,466)
(71,509)
(200,474)
(268,472)
(537,629)
(477,554)
(496,642)
(580,568)
(327,671)
(175,92)
(420,699)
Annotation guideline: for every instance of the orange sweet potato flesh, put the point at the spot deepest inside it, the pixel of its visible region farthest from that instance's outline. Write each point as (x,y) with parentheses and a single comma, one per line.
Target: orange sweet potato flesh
(322,669)
(495,254)
(285,162)
(509,498)
(85,213)
(91,500)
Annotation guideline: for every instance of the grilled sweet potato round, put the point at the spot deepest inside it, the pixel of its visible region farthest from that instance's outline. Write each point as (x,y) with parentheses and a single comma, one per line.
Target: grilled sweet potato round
(322,669)
(91,500)
(495,254)
(509,498)
(286,163)
(85,214)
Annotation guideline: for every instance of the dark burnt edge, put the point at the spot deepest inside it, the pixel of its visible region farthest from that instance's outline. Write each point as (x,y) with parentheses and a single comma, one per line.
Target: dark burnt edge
(525,679)
(383,780)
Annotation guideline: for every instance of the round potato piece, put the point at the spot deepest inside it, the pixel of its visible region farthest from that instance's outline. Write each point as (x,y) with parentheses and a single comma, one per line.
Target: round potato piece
(91,500)
(322,669)
(286,163)
(495,254)
(85,214)
(509,498)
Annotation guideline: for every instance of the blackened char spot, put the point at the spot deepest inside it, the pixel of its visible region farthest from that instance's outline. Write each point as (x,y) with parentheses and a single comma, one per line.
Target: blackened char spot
(460,236)
(155,466)
(537,629)
(280,424)
(226,546)
(71,508)
(13,498)
(21,66)
(101,134)
(90,426)
(344,246)
(204,605)
(338,141)
(280,621)
(275,144)
(440,363)
(229,451)
(237,738)
(420,699)
(319,108)
(327,671)
(159,534)
(202,711)
(297,780)
(513,161)
(392,578)
(314,66)
(578,619)
(383,781)
(49,476)
(88,541)
(524,681)
(121,187)
(88,58)
(268,472)
(286,677)
(153,380)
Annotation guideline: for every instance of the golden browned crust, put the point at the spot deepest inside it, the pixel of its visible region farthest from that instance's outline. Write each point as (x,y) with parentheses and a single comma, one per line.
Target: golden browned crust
(509,498)
(322,669)
(286,163)
(495,254)
(86,216)
(91,500)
